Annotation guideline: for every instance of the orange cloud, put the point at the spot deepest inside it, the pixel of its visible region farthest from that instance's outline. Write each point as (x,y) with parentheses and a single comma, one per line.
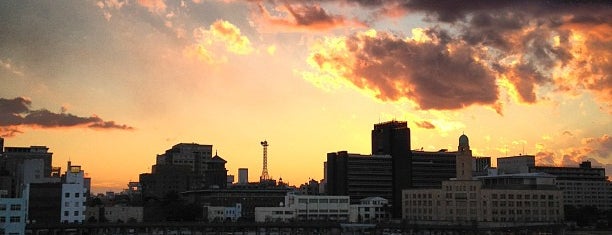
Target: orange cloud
(220,34)
(154,6)
(299,16)
(425,125)
(589,148)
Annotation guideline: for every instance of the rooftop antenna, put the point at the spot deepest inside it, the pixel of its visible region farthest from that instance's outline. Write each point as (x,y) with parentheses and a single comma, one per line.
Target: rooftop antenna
(264,172)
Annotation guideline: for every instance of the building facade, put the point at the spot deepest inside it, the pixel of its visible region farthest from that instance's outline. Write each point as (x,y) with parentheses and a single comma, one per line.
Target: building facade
(223,213)
(582,186)
(74,195)
(515,164)
(370,210)
(488,201)
(13,214)
(306,208)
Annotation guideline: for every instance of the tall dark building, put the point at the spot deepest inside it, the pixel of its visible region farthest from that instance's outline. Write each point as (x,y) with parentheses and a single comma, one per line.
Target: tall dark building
(359,176)
(393,138)
(429,169)
(45,203)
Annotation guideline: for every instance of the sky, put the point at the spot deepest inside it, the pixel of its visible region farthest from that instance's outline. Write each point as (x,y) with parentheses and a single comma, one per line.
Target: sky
(110,84)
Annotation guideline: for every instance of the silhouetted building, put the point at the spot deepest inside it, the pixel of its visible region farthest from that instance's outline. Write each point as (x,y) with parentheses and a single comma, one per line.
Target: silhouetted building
(44,204)
(515,164)
(359,176)
(393,138)
(429,169)
(243,175)
(184,167)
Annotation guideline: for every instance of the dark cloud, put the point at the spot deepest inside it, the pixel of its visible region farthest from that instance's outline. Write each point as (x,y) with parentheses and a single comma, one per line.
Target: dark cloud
(16,112)
(425,125)
(426,72)
(309,16)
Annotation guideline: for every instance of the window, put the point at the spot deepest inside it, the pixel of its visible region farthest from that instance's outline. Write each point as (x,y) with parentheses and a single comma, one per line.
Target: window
(66,195)
(2,207)
(76,213)
(66,204)
(15,219)
(66,213)
(76,195)
(15,207)
(2,219)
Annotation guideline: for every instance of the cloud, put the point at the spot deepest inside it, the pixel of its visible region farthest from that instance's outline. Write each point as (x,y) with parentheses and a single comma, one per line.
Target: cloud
(154,6)
(9,66)
(520,46)
(588,148)
(304,16)
(220,34)
(425,125)
(428,70)
(16,113)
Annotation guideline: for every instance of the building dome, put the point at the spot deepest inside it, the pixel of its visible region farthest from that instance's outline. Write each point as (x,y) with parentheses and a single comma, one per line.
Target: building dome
(463,140)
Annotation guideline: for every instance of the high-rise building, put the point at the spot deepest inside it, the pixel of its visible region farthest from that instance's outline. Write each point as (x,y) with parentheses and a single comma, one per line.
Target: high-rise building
(393,138)
(429,169)
(22,164)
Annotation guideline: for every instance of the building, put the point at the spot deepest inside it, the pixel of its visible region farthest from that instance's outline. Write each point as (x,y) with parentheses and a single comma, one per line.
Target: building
(13,214)
(184,167)
(306,208)
(393,138)
(45,203)
(582,186)
(223,213)
(515,164)
(243,175)
(359,176)
(248,196)
(370,210)
(485,202)
(74,194)
(429,169)
(24,165)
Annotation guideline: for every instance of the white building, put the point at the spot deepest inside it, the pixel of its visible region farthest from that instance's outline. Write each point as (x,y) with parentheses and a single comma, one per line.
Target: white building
(221,213)
(73,195)
(370,209)
(13,214)
(306,207)
(243,175)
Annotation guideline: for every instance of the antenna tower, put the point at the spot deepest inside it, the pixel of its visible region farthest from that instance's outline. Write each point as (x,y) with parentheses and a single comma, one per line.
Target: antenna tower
(264,172)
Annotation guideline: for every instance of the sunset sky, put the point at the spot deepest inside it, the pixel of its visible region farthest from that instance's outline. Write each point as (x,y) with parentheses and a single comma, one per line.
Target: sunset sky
(110,84)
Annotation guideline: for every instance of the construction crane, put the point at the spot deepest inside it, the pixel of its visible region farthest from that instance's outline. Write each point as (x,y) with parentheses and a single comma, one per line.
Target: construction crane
(264,172)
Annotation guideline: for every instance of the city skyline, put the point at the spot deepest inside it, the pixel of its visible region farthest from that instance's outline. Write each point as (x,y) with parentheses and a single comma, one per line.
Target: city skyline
(111,84)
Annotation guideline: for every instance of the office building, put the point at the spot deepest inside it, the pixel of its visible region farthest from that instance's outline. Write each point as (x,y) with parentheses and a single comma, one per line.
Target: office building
(582,186)
(24,165)
(393,138)
(485,202)
(13,214)
(429,169)
(359,176)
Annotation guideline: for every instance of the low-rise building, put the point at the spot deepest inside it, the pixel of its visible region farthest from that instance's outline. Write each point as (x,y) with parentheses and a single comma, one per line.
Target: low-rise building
(223,213)
(74,195)
(305,208)
(371,209)
(13,214)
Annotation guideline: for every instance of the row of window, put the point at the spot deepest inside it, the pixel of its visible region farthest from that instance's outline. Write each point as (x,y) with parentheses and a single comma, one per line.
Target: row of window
(75,213)
(322,200)
(14,207)
(322,211)
(67,195)
(12,219)
(521,196)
